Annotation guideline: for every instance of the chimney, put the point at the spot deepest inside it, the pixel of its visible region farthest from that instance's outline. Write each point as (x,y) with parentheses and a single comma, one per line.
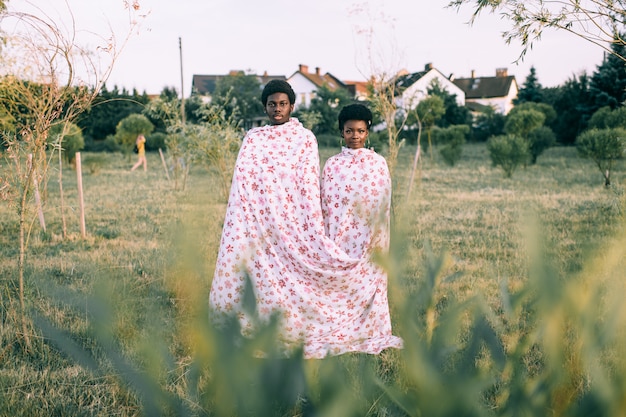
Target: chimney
(317,70)
(428,66)
(502,72)
(473,74)
(304,69)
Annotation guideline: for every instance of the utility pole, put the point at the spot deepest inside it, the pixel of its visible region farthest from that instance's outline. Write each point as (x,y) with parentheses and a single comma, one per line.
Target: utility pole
(182,85)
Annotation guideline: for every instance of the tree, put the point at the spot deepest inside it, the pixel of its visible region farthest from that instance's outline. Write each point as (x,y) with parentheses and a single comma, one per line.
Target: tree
(527,121)
(608,83)
(454,114)
(546,109)
(521,122)
(487,123)
(238,94)
(327,103)
(106,111)
(508,152)
(382,97)
(427,112)
(166,109)
(39,71)
(597,22)
(215,144)
(531,90)
(382,70)
(607,118)
(129,128)
(572,104)
(451,140)
(539,140)
(68,138)
(310,119)
(604,147)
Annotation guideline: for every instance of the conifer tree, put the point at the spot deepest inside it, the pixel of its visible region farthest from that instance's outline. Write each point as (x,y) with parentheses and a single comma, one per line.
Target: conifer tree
(608,83)
(531,90)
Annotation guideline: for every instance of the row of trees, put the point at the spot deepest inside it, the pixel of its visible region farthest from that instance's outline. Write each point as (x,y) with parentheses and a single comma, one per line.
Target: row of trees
(573,104)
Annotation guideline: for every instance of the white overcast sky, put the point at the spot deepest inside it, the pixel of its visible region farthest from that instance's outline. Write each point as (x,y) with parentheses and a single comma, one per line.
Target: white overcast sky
(276,36)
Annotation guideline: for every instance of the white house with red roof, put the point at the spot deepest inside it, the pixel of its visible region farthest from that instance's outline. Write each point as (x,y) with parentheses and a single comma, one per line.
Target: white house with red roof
(305,84)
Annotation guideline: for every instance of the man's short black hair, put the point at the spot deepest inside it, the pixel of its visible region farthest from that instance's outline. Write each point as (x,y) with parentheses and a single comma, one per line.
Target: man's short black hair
(278,86)
(355,112)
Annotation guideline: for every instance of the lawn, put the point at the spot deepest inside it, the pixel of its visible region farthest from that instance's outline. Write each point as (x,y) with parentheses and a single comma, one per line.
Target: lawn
(507,292)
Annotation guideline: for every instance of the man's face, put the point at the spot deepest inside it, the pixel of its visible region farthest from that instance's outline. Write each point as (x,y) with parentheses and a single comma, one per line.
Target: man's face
(278,108)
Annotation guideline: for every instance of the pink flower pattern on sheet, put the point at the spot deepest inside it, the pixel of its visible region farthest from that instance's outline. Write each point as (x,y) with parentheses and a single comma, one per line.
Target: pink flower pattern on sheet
(329,302)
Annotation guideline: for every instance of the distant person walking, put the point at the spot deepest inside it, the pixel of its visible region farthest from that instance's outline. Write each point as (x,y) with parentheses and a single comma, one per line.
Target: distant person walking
(140,143)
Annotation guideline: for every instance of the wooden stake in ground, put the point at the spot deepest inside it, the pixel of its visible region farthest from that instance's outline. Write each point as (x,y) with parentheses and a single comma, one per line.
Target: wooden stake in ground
(417,157)
(167,174)
(42,220)
(81,200)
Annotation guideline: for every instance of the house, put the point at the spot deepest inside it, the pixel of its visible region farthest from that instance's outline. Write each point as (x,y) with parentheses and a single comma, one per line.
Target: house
(358,89)
(413,87)
(204,85)
(305,84)
(497,92)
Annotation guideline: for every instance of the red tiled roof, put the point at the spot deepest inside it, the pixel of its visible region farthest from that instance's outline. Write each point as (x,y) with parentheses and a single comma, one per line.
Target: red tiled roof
(320,79)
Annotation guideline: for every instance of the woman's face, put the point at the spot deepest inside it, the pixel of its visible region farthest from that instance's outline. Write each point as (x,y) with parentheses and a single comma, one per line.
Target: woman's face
(278,108)
(355,133)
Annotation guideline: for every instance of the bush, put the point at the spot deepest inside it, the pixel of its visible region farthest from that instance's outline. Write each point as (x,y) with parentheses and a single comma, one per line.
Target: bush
(111,144)
(539,140)
(93,163)
(451,140)
(378,141)
(69,137)
(508,152)
(326,140)
(156,141)
(487,124)
(602,146)
(129,128)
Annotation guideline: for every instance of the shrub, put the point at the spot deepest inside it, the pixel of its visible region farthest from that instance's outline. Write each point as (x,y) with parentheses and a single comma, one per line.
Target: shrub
(327,140)
(93,162)
(130,127)
(508,152)
(69,137)
(487,124)
(378,141)
(602,146)
(522,122)
(111,144)
(156,141)
(605,117)
(539,140)
(451,140)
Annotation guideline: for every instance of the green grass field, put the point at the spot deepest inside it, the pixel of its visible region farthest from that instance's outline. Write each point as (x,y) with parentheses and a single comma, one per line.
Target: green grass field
(508,293)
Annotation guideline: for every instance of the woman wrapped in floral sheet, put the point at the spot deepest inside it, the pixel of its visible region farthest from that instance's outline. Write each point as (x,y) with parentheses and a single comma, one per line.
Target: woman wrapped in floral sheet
(356,204)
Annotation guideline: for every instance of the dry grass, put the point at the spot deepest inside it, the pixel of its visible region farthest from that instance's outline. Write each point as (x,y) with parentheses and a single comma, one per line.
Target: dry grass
(132,295)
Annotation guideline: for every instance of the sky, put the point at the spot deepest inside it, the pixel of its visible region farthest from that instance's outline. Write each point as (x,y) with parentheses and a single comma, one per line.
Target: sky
(217,36)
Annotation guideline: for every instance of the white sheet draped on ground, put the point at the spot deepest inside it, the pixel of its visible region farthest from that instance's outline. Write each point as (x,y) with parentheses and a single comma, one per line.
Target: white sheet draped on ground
(330,302)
